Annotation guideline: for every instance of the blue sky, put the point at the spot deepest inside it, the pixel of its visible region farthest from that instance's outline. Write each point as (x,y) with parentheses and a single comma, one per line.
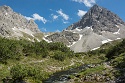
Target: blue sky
(56,15)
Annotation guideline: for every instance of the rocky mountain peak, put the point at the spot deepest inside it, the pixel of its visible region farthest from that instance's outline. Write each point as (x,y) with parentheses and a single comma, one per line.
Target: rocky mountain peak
(32,26)
(13,24)
(6,8)
(100,19)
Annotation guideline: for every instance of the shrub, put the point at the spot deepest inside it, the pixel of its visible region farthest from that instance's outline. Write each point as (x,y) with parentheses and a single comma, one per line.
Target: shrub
(20,72)
(116,50)
(58,55)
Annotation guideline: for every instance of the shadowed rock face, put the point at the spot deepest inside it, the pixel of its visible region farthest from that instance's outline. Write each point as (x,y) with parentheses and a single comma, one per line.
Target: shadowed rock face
(97,26)
(13,24)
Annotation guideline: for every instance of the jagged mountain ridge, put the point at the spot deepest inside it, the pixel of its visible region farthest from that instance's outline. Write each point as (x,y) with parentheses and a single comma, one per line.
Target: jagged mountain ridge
(14,25)
(100,19)
(97,26)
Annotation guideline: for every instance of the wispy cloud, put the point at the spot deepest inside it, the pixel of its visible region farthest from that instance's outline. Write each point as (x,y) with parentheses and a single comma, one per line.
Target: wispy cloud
(54,16)
(88,3)
(40,18)
(65,22)
(37,17)
(65,16)
(81,13)
(43,29)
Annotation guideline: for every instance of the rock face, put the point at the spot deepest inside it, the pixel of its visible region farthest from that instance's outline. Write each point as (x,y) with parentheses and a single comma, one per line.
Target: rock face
(66,37)
(97,26)
(15,25)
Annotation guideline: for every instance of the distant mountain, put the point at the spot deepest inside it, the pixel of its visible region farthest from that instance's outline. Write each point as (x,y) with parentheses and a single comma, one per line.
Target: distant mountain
(14,25)
(97,26)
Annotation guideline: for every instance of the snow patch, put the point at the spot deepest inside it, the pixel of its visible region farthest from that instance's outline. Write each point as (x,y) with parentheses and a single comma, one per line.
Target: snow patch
(78,29)
(46,35)
(32,35)
(6,13)
(46,40)
(38,40)
(71,45)
(14,28)
(116,25)
(87,27)
(95,48)
(80,36)
(91,29)
(117,38)
(106,41)
(103,31)
(117,32)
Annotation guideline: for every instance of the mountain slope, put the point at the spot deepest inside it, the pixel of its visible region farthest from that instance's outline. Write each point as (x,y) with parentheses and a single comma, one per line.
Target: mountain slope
(97,26)
(14,25)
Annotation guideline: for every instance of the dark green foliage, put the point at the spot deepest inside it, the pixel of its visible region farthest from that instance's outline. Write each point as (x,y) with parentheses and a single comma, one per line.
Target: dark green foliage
(20,72)
(58,46)
(10,49)
(14,49)
(116,50)
(119,61)
(58,55)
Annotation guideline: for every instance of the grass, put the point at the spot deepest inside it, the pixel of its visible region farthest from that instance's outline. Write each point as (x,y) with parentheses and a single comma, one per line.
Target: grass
(93,59)
(97,69)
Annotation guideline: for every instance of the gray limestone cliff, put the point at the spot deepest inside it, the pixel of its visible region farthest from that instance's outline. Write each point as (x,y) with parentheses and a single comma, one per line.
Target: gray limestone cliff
(13,24)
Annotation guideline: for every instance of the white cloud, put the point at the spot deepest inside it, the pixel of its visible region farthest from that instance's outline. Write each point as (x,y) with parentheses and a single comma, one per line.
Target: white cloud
(88,3)
(65,16)
(37,17)
(81,13)
(54,16)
